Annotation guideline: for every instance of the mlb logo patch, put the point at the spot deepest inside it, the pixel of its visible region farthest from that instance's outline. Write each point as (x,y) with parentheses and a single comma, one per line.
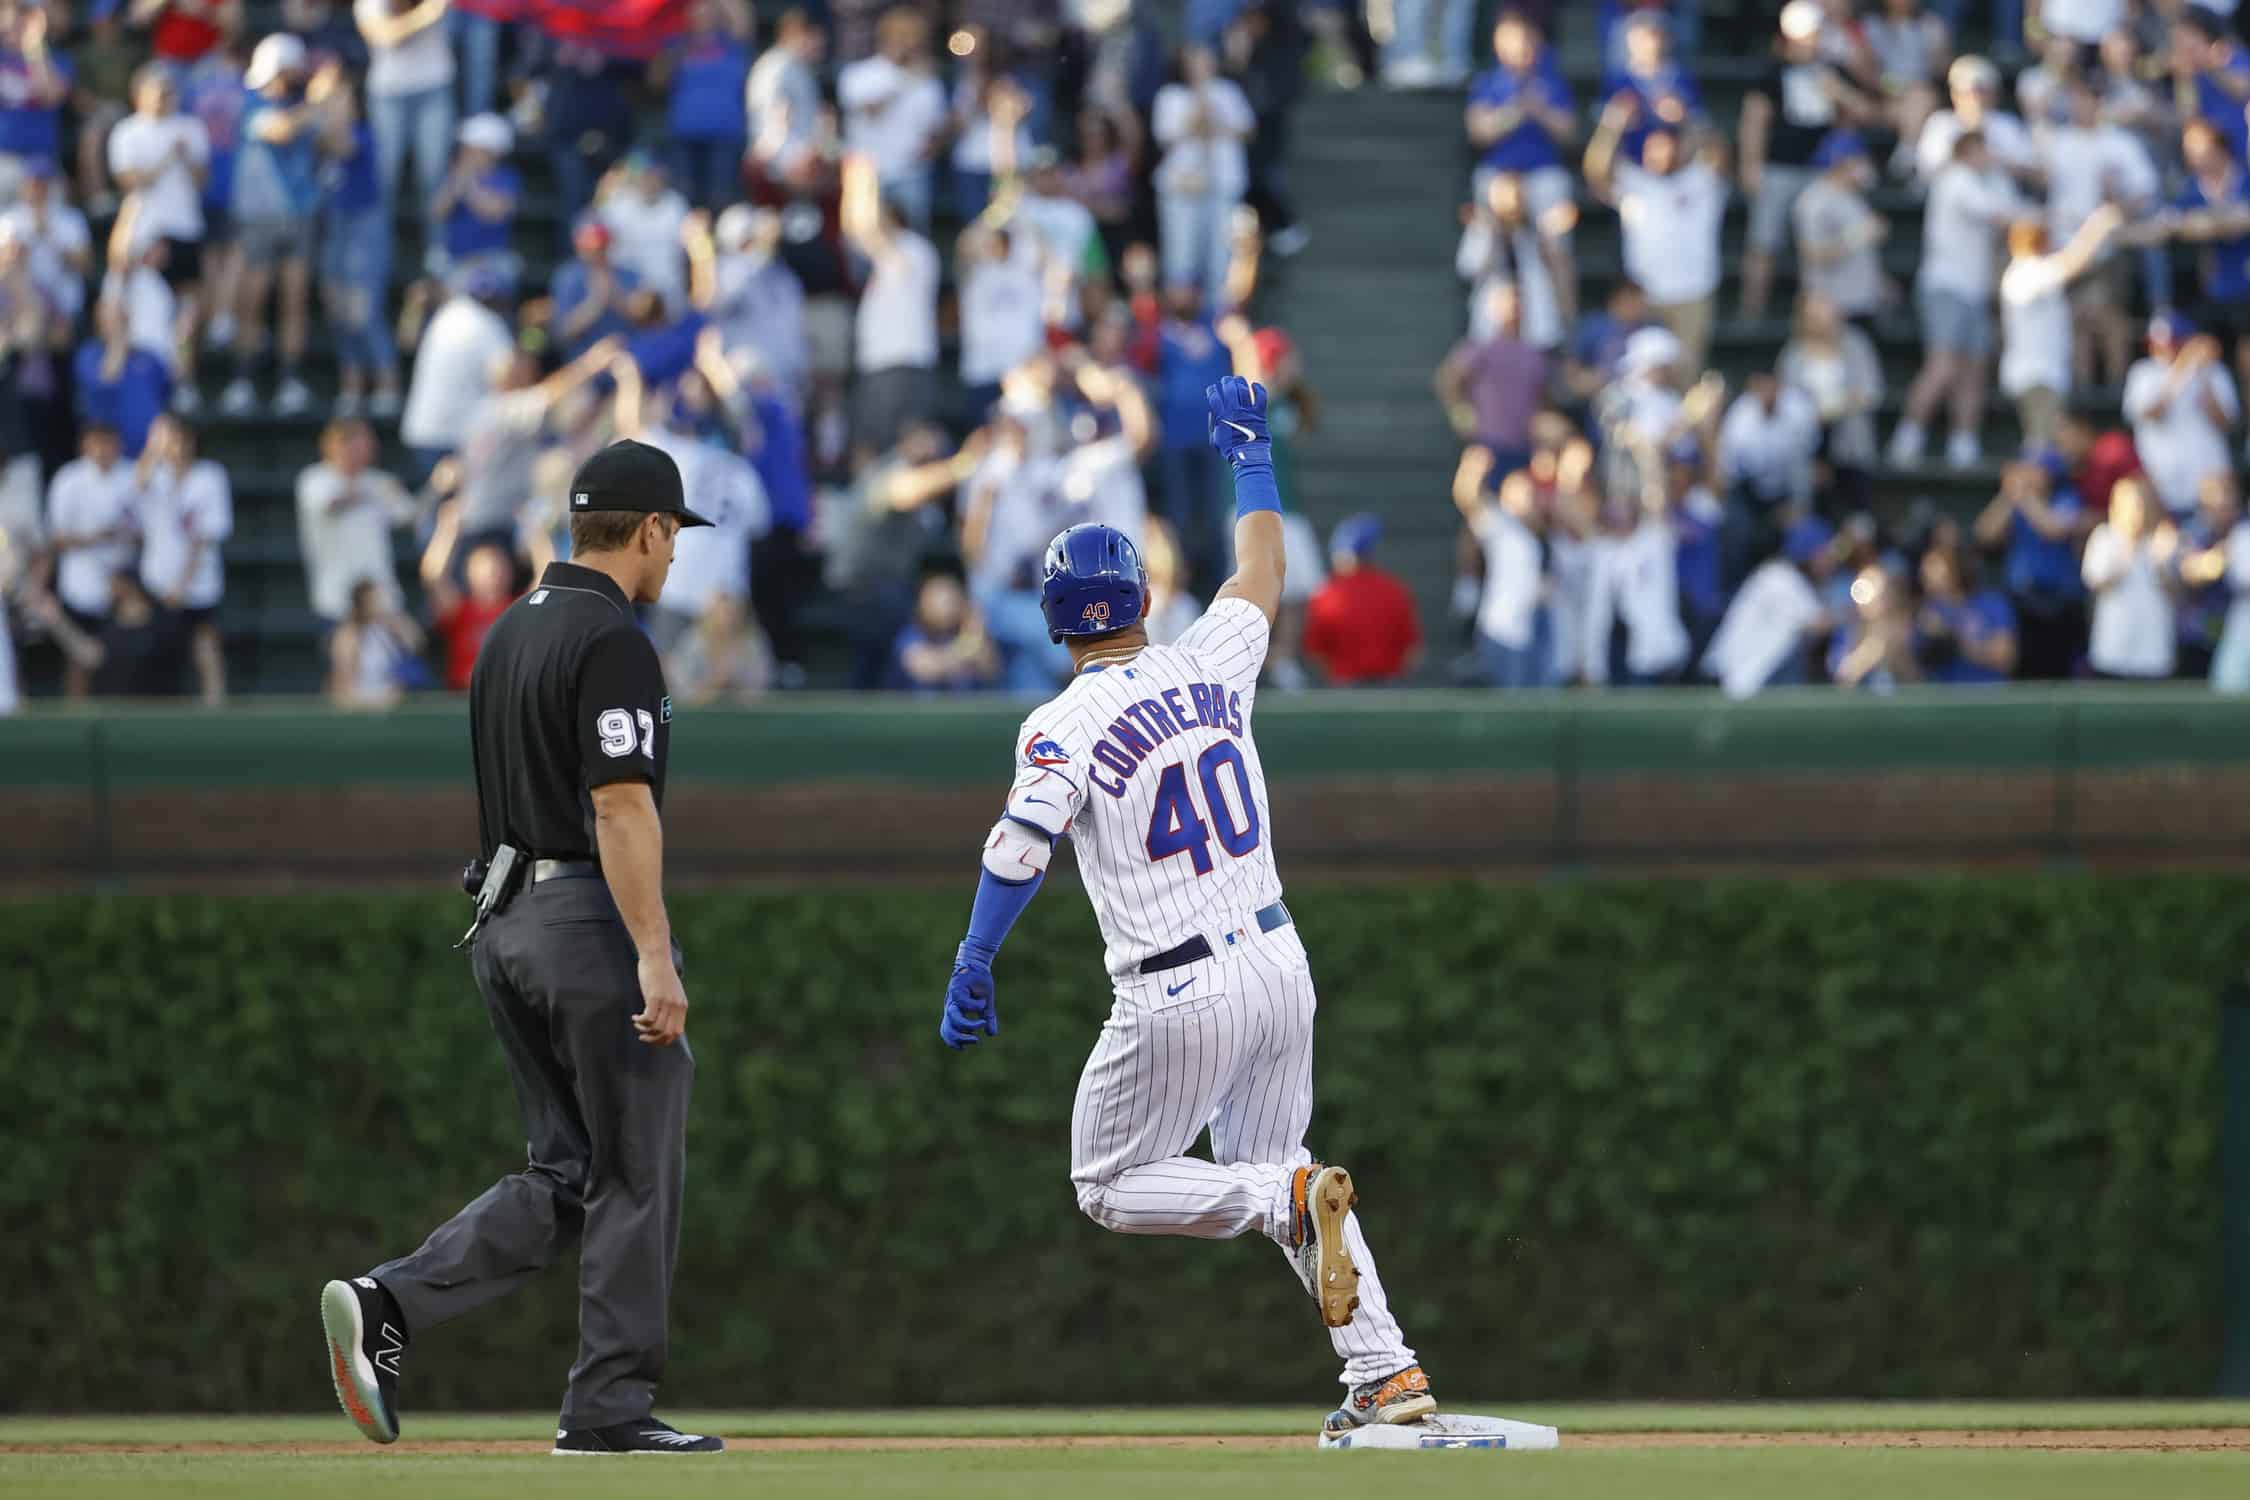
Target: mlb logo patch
(1041,751)
(664,711)
(540,597)
(1098,612)
(581,500)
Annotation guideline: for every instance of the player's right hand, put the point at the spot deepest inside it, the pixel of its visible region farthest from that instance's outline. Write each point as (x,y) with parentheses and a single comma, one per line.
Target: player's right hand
(971,1013)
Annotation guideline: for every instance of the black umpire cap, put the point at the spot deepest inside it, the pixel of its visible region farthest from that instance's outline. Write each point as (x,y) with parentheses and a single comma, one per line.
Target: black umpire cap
(631,476)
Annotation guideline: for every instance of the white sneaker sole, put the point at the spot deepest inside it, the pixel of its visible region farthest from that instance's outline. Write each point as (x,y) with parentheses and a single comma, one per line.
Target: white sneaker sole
(356,1390)
(1330,1196)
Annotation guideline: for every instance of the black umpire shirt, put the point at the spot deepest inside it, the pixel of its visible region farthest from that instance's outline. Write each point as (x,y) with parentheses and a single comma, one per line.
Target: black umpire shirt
(567,696)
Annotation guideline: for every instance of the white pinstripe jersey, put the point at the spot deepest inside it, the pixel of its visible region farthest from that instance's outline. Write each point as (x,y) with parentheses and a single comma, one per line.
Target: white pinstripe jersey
(1149,767)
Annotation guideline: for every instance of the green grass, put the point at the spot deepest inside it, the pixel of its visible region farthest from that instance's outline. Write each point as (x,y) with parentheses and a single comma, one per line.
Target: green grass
(1136,1473)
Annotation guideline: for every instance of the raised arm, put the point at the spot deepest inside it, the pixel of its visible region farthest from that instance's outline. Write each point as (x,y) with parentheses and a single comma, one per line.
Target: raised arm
(381,30)
(1238,432)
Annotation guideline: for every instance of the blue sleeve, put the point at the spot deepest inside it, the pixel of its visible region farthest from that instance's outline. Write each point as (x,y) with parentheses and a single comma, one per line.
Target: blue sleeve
(998,904)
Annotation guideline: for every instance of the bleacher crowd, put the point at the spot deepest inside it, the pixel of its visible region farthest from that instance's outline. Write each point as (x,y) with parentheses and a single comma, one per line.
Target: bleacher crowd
(2084,240)
(905,289)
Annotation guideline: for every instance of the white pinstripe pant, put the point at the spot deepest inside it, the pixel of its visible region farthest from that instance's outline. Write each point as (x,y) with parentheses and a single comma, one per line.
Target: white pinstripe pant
(1230,1049)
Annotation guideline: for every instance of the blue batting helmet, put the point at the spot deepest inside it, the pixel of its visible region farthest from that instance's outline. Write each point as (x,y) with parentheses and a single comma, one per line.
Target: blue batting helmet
(1092,582)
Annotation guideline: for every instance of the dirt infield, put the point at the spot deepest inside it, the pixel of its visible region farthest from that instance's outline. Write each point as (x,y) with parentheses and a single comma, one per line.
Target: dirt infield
(2091,1439)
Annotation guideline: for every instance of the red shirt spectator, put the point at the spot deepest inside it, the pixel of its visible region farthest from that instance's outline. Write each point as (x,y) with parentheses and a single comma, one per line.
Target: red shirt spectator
(1362,626)
(2097,460)
(186,29)
(461,621)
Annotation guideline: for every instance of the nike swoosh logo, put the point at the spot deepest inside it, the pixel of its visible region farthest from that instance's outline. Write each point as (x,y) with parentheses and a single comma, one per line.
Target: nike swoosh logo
(1247,435)
(1175,989)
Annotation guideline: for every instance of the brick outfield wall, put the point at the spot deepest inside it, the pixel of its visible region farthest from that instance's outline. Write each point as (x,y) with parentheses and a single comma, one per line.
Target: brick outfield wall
(1518,825)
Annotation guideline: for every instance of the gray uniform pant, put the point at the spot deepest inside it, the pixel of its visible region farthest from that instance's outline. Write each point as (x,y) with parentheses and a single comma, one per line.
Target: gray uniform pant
(605,1115)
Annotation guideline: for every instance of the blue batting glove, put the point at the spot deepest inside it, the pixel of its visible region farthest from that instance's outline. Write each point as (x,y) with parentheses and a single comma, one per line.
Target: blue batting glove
(971,1014)
(1238,420)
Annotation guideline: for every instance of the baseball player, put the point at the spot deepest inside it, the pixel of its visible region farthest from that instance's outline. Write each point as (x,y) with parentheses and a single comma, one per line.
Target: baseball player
(1145,761)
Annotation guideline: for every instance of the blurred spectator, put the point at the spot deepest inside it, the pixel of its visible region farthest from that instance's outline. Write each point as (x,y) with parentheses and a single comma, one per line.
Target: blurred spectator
(180,31)
(1970,201)
(2035,342)
(117,385)
(184,506)
(1963,633)
(784,99)
(371,654)
(162,158)
(1417,59)
(1520,119)
(1670,208)
(589,118)
(1502,246)
(590,290)
(1839,235)
(131,649)
(711,572)
(326,29)
(1912,48)
(1177,343)
(1069,237)
(752,297)
(57,245)
(502,440)
(2211,73)
(1767,445)
(1491,387)
(1762,639)
(1802,97)
(1170,611)
(1267,45)
(1973,85)
(1632,628)
(2182,404)
(276,198)
(2128,570)
(2202,599)
(2091,165)
(1598,339)
(2212,212)
(706,69)
(895,341)
(2092,460)
(1100,179)
(473,28)
(409,92)
(987,126)
(1697,520)
(1836,366)
(894,112)
(476,204)
(2040,525)
(1514,635)
(35,84)
(1874,646)
(1000,299)
(944,648)
(876,539)
(723,659)
(453,368)
(1658,93)
(91,532)
(1202,122)
(2041,89)
(460,619)
(346,512)
(645,218)
(355,263)
(2226,564)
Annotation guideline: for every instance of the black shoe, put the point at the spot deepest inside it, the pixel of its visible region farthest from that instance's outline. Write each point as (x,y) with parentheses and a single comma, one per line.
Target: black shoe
(366,1338)
(645,1436)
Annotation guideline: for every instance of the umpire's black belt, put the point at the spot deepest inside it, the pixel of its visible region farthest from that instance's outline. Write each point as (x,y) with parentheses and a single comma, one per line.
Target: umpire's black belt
(563,869)
(1276,915)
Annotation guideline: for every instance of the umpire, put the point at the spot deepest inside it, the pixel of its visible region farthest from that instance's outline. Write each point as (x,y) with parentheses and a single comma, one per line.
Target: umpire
(573,953)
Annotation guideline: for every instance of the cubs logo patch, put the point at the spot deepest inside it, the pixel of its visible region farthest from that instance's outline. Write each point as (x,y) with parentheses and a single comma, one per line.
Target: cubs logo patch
(1098,612)
(1041,751)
